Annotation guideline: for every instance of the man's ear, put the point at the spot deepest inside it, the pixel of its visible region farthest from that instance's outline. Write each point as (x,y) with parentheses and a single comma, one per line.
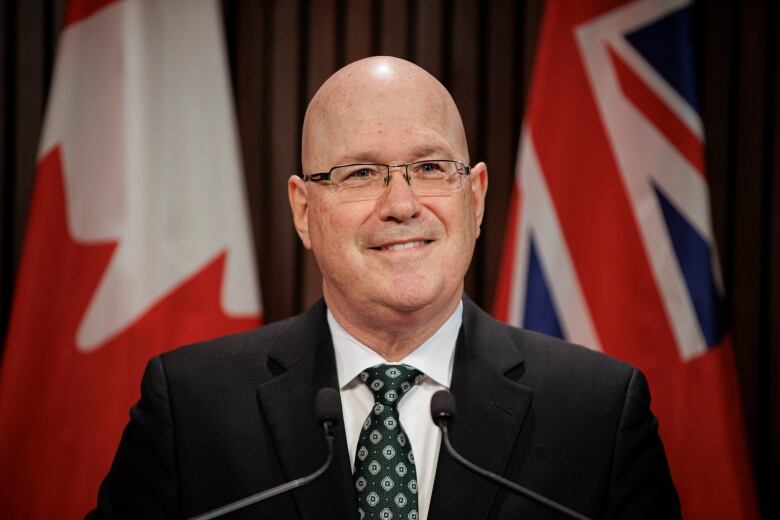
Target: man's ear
(299,204)
(479,185)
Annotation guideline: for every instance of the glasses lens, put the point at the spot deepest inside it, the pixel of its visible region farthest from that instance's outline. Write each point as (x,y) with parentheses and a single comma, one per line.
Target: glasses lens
(435,177)
(354,175)
(358,181)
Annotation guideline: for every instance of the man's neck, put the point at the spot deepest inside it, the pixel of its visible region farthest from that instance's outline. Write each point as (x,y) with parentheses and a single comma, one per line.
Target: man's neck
(390,333)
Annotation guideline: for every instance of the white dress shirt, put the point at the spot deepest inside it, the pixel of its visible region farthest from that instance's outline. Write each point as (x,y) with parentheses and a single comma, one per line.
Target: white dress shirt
(434,358)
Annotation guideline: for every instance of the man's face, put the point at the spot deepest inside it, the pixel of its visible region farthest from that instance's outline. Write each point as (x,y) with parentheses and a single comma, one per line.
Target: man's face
(399,252)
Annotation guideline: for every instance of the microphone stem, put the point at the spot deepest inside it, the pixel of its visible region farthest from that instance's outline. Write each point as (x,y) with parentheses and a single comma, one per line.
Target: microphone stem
(268,493)
(498,479)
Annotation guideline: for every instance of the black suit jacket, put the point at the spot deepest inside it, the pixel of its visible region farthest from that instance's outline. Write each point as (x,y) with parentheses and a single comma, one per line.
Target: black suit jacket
(221,420)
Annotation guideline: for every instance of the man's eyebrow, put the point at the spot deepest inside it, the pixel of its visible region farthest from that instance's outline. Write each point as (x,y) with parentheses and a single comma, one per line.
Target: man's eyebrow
(416,153)
(428,150)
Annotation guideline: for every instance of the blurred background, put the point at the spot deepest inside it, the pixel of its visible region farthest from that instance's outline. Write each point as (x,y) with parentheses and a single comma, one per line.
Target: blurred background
(483,52)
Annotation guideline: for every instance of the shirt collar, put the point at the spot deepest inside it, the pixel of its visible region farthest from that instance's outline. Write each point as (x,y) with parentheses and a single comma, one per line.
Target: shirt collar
(434,357)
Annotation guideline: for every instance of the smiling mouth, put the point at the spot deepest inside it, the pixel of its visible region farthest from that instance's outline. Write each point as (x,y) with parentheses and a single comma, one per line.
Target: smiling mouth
(402,245)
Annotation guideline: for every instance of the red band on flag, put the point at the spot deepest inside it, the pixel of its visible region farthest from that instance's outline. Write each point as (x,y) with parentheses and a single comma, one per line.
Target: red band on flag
(80,9)
(656,111)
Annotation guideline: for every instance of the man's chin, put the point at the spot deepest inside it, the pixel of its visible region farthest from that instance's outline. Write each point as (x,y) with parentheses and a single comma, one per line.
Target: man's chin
(415,301)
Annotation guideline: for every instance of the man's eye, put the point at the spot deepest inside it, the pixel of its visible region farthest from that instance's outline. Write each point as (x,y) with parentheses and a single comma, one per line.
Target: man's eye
(429,167)
(358,174)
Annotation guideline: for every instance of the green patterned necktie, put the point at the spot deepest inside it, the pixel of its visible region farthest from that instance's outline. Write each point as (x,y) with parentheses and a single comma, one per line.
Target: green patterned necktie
(385,478)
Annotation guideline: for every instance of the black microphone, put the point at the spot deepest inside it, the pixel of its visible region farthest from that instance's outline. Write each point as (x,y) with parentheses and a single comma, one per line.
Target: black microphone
(443,414)
(326,406)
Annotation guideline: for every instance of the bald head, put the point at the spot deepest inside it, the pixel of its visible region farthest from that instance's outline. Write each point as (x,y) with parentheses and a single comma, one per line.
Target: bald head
(376,97)
(392,262)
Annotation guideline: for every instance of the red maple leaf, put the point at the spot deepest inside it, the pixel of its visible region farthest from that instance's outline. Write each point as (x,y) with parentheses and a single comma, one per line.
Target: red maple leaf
(62,411)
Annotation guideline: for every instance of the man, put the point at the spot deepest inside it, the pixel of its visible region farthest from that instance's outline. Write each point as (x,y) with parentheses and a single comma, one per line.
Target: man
(391,210)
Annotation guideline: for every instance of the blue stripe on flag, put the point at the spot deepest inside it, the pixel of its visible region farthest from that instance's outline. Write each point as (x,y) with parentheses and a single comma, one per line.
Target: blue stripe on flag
(693,255)
(540,312)
(666,45)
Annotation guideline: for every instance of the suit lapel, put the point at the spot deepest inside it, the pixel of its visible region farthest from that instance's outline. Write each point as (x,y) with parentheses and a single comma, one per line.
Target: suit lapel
(305,363)
(491,408)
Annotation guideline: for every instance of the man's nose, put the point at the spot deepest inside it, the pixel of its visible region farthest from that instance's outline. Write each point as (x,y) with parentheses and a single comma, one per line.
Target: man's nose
(398,202)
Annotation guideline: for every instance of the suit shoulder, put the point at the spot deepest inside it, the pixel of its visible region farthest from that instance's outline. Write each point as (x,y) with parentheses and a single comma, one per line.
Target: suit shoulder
(541,349)
(228,356)
(250,342)
(551,360)
(549,351)
(572,379)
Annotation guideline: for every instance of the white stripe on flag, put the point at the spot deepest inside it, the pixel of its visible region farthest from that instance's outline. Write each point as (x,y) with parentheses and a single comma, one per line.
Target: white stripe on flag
(645,157)
(538,218)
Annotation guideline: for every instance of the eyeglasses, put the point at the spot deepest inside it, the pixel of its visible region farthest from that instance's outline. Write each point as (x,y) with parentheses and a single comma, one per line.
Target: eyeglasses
(367,181)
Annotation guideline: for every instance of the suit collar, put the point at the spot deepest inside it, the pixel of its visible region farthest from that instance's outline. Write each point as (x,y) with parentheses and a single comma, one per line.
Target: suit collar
(303,361)
(491,408)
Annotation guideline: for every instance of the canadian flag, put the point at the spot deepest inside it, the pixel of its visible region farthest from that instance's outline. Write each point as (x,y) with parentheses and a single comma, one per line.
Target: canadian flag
(137,241)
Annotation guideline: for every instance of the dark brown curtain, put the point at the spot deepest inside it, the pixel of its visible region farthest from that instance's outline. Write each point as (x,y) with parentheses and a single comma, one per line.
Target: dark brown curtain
(280,51)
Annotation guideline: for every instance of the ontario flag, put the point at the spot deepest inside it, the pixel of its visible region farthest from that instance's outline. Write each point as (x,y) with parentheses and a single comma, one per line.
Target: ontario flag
(609,241)
(137,241)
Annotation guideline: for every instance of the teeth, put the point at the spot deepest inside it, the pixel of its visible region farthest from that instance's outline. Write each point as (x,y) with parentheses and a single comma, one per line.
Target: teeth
(405,245)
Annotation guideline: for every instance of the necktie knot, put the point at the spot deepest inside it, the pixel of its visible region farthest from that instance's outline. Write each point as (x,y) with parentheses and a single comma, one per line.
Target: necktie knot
(389,383)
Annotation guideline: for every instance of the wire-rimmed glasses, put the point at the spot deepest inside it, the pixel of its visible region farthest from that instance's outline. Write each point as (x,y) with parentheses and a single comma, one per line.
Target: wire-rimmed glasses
(366,181)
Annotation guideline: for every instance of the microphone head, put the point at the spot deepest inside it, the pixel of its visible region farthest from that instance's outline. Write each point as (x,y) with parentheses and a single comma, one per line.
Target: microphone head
(443,407)
(327,404)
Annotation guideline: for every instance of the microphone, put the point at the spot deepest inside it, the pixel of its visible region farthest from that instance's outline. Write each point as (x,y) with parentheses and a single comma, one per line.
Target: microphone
(326,407)
(443,414)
